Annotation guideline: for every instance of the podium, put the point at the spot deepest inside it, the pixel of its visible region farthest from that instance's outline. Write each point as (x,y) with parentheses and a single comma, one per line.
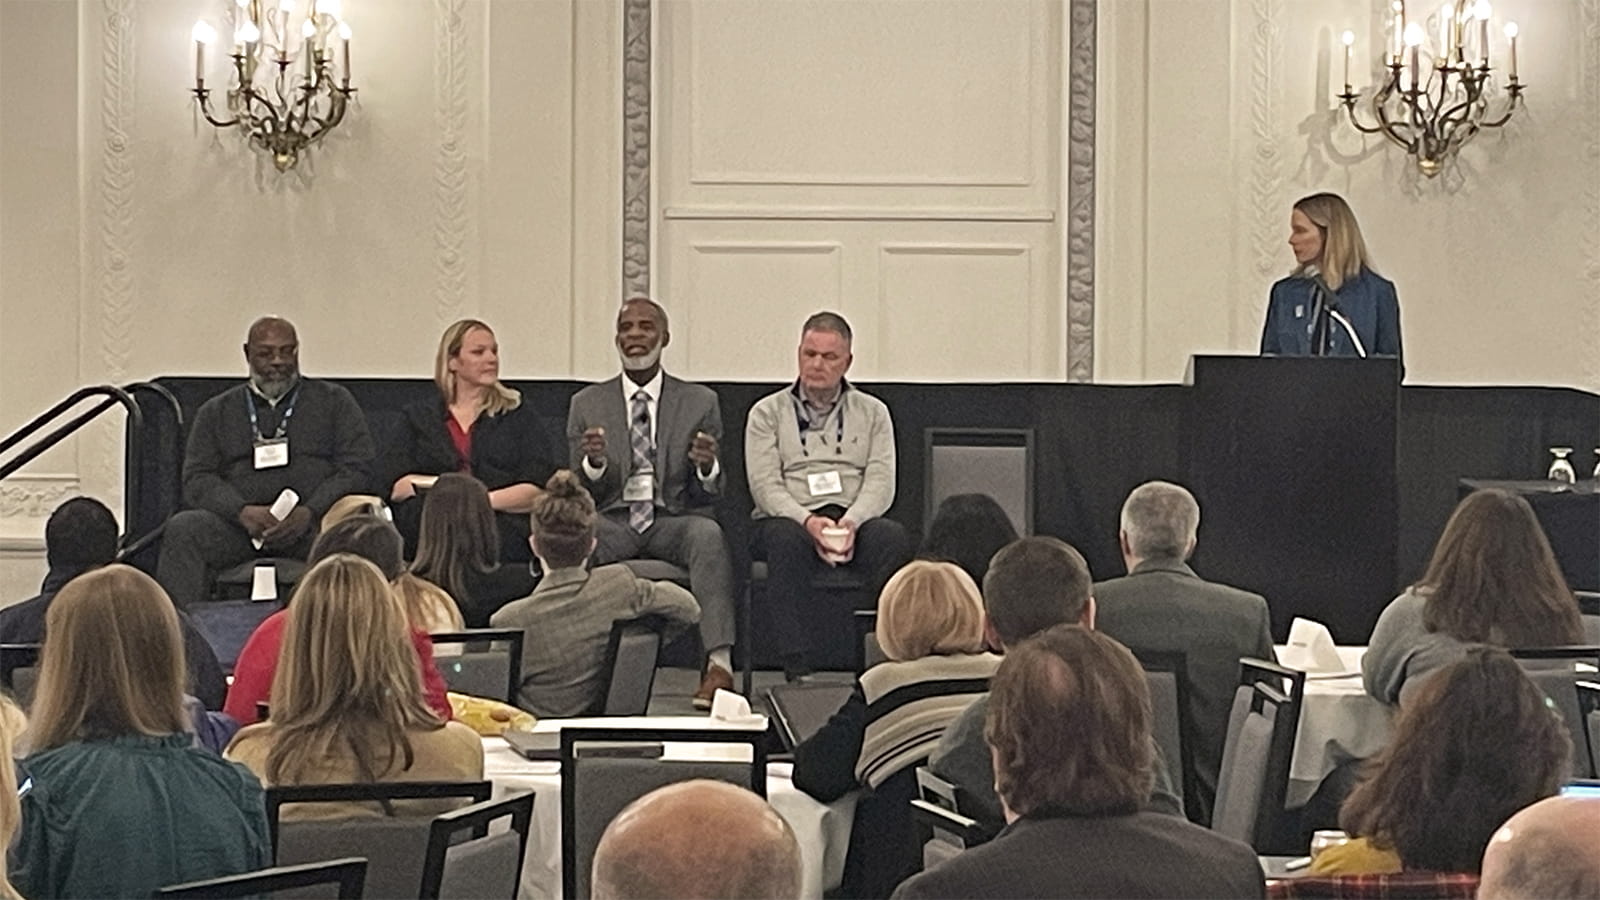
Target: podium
(1293,462)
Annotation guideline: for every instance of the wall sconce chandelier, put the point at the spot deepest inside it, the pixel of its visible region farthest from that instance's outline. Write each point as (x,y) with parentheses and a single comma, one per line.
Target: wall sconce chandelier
(1433,110)
(285,93)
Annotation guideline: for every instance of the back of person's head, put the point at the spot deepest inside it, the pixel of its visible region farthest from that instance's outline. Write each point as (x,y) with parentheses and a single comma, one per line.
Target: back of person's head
(426,605)
(929,609)
(81,533)
(967,530)
(1493,578)
(1545,852)
(1034,584)
(347,679)
(1476,744)
(1069,725)
(1159,521)
(457,533)
(372,538)
(564,521)
(353,505)
(658,847)
(112,662)
(12,724)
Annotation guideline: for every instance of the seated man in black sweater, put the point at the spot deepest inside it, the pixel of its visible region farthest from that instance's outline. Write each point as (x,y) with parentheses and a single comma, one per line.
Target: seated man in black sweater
(82,535)
(246,445)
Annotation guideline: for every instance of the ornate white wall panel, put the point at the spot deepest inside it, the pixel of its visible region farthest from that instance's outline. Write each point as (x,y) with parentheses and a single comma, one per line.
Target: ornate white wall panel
(933,296)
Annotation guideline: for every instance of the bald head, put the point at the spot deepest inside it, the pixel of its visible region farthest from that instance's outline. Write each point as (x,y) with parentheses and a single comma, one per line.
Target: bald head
(697,839)
(272,349)
(1549,851)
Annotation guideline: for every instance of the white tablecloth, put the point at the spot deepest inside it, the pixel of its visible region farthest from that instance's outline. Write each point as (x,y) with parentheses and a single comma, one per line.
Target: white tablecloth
(823,829)
(1338,722)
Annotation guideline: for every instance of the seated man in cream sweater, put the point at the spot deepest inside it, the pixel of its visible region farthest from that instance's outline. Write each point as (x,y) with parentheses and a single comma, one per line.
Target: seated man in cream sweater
(819,455)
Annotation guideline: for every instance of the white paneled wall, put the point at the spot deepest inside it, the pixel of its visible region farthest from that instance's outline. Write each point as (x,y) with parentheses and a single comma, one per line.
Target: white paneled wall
(898,162)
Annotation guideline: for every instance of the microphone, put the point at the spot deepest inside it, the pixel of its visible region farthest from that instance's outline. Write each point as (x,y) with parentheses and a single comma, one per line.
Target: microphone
(1313,274)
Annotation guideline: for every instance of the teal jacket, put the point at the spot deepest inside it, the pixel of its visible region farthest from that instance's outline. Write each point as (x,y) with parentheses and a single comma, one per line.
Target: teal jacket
(1367,301)
(124,816)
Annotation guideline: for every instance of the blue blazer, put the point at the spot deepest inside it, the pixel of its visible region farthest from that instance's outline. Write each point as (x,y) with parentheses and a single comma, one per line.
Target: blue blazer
(1368,300)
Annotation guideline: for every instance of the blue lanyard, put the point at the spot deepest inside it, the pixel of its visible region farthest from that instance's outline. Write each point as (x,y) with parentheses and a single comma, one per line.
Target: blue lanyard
(283,423)
(804,423)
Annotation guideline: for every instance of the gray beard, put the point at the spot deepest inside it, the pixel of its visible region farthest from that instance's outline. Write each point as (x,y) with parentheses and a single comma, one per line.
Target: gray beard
(275,389)
(640,363)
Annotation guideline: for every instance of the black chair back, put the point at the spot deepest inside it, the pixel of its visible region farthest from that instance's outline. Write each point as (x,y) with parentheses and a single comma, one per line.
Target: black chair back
(19,671)
(486,865)
(1254,780)
(632,653)
(1167,674)
(1558,671)
(489,664)
(350,874)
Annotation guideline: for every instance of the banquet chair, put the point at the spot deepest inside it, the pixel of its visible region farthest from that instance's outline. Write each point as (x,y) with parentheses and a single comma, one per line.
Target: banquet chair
(632,653)
(946,828)
(484,865)
(19,671)
(1166,674)
(1589,706)
(350,874)
(393,844)
(489,663)
(605,769)
(1556,671)
(1256,754)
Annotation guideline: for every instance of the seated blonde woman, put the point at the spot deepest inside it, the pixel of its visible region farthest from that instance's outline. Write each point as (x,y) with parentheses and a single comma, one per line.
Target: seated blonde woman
(347,701)
(930,625)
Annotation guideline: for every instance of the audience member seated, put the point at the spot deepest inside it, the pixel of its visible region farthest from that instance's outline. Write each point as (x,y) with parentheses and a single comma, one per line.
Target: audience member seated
(1474,744)
(376,541)
(82,535)
(354,505)
(1492,580)
(458,549)
(121,801)
(657,848)
(1033,584)
(477,426)
(246,445)
(347,701)
(968,530)
(1069,727)
(1545,852)
(930,625)
(819,456)
(646,446)
(567,619)
(12,725)
(1161,605)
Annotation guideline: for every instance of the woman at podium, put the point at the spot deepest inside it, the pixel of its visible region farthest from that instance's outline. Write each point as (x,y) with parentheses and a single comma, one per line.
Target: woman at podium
(1332,304)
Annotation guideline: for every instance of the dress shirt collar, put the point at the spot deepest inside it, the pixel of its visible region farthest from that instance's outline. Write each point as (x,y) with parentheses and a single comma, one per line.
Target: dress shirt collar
(652,388)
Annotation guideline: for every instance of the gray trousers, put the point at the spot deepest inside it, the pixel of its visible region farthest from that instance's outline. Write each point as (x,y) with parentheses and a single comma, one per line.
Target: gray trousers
(197,544)
(693,542)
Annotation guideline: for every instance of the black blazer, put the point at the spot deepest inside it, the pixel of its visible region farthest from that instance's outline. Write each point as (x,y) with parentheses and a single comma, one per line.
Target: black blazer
(506,449)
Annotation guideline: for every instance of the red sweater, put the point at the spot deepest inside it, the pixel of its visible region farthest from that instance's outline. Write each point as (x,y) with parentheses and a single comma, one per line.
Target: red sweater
(252,673)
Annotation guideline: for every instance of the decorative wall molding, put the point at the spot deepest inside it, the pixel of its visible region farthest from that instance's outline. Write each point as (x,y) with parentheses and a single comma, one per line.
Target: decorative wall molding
(34,496)
(452,219)
(1080,224)
(733,212)
(1590,94)
(115,278)
(1266,159)
(636,54)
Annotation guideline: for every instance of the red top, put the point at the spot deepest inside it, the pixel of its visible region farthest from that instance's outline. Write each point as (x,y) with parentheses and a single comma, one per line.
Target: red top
(258,661)
(462,438)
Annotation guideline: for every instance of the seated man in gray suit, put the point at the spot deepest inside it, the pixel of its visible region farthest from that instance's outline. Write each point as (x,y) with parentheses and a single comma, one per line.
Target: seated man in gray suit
(1069,732)
(1032,585)
(1161,605)
(645,444)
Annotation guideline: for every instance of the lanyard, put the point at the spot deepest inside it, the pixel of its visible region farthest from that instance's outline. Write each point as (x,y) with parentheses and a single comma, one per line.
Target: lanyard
(283,423)
(804,422)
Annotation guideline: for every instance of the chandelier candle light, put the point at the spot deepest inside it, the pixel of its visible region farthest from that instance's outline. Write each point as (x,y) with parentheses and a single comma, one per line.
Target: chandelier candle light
(1432,112)
(285,92)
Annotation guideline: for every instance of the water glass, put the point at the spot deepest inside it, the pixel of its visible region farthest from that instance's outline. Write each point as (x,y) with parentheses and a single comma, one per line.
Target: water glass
(1561,468)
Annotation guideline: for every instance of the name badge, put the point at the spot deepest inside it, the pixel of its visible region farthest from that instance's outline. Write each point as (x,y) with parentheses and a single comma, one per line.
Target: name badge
(272,454)
(824,483)
(640,486)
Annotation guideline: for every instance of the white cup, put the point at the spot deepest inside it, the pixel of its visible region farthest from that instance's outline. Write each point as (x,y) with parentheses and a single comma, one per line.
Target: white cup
(835,538)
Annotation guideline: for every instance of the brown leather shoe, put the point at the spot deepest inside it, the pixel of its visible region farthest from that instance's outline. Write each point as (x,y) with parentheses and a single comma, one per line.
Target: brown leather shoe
(715,677)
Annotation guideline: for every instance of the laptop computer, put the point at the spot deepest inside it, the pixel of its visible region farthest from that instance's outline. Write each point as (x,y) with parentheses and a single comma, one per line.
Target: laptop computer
(800,710)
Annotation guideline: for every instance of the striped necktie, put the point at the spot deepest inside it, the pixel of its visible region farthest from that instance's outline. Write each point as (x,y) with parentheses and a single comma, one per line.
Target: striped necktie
(641,513)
